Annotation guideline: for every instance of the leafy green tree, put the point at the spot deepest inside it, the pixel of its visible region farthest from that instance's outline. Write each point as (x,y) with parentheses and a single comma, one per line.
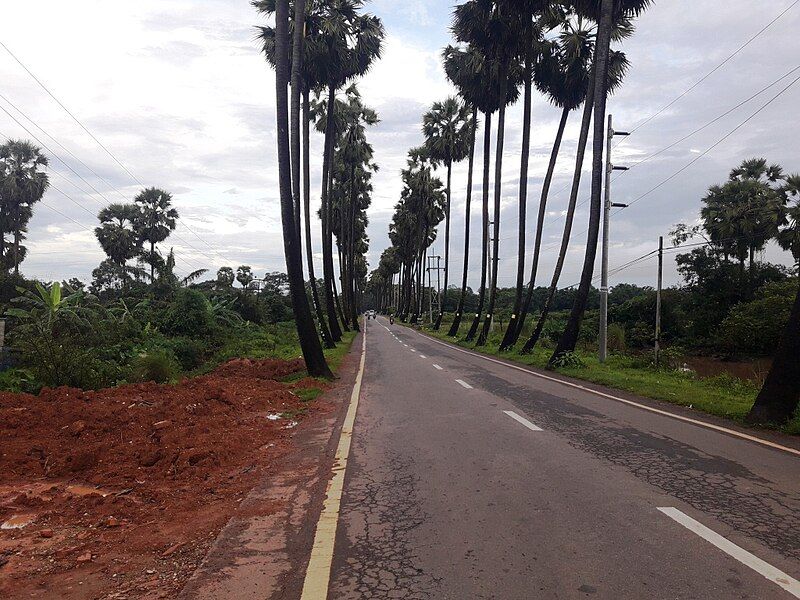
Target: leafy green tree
(23,182)
(157,219)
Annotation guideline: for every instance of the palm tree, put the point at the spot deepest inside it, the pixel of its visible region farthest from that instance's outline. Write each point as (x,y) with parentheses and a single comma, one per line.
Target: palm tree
(535,18)
(352,42)
(605,13)
(742,215)
(460,66)
(306,331)
(157,219)
(447,128)
(568,86)
(309,79)
(490,26)
(118,236)
(23,183)
(789,234)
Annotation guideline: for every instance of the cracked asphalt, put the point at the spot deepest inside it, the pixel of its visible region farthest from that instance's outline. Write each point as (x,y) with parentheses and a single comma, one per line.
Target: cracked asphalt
(447,497)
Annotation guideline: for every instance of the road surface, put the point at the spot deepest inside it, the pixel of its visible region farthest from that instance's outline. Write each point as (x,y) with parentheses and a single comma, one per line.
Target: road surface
(468,479)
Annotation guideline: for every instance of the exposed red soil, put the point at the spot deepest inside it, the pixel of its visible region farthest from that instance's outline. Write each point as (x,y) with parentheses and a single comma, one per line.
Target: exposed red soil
(126,488)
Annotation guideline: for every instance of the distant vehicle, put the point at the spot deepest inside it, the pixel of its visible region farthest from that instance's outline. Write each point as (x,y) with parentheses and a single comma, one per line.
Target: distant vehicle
(370,314)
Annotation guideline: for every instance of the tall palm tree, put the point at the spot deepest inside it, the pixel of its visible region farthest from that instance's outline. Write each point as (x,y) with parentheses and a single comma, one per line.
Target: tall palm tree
(310,77)
(157,219)
(23,182)
(533,49)
(447,128)
(605,13)
(352,42)
(306,331)
(462,68)
(488,78)
(491,26)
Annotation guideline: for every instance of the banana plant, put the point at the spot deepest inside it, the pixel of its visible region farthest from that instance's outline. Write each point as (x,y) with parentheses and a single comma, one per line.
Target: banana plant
(45,306)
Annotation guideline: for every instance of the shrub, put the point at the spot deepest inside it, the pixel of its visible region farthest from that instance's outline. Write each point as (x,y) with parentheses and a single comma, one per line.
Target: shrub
(568,360)
(159,366)
(616,337)
(17,381)
(189,314)
(189,352)
(756,327)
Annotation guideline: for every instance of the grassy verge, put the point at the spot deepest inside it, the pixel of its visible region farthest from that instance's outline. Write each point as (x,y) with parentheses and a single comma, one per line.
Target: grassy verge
(723,396)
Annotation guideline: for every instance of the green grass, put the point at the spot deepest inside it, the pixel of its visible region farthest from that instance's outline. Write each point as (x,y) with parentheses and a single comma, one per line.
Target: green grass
(723,396)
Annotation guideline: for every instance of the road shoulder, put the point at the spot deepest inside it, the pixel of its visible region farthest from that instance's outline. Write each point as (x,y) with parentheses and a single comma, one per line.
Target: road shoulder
(263,551)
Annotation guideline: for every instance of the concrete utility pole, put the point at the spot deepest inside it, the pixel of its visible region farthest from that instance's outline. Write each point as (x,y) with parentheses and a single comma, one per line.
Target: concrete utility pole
(607,206)
(489,263)
(434,302)
(658,296)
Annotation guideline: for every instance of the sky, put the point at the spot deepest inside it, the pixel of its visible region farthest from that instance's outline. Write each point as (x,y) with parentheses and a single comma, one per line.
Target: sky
(178,94)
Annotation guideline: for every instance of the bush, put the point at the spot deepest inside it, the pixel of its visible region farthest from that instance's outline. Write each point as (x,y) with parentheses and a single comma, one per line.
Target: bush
(159,366)
(17,381)
(189,352)
(755,328)
(189,314)
(616,337)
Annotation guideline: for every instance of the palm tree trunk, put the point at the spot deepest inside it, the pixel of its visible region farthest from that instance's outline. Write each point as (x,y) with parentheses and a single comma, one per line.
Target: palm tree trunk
(327,230)
(487,150)
(498,189)
(565,238)
(443,295)
(569,338)
(323,325)
(778,399)
(537,246)
(460,309)
(510,337)
(17,235)
(341,305)
(294,111)
(306,332)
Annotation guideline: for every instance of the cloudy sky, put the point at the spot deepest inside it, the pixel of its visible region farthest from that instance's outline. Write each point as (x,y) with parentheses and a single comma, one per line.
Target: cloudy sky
(178,94)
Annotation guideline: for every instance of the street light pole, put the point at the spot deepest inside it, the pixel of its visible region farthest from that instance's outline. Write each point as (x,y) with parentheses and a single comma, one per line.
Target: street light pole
(607,206)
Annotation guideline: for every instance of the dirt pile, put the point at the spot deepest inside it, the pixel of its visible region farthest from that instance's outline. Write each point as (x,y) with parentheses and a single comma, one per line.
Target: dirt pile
(120,491)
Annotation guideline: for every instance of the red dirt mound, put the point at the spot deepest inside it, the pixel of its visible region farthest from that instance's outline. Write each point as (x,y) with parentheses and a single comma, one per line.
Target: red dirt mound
(119,482)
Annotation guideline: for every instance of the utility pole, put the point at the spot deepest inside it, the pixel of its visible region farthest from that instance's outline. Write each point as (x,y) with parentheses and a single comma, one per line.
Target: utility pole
(437,303)
(607,206)
(489,249)
(658,296)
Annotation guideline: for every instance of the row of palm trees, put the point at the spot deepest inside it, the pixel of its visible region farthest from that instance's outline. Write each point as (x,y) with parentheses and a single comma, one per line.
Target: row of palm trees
(319,47)
(504,49)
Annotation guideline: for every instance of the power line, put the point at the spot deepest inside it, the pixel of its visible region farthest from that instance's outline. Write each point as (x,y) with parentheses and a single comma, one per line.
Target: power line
(99,143)
(714,70)
(715,120)
(714,145)
(78,175)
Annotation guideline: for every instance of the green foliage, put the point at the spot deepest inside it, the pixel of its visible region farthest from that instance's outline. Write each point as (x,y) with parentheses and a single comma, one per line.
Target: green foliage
(18,381)
(189,314)
(755,327)
(616,337)
(159,366)
(568,360)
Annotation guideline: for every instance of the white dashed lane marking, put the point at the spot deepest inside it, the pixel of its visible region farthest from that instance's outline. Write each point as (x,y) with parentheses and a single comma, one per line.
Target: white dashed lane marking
(464,384)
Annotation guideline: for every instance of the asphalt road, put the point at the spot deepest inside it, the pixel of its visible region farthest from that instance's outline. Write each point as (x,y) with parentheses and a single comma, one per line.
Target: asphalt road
(572,495)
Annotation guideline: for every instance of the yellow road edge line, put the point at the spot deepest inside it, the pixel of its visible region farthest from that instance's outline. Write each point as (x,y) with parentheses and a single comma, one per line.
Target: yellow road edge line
(318,574)
(718,428)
